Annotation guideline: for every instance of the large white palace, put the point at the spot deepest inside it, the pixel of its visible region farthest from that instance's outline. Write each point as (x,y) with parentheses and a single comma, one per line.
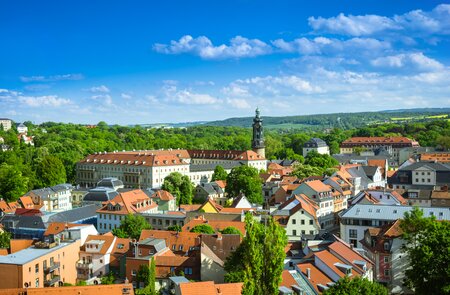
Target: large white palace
(147,169)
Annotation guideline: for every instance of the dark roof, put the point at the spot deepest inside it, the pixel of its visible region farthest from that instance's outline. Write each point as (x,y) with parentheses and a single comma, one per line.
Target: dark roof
(111,182)
(100,194)
(350,158)
(24,221)
(315,143)
(370,170)
(62,187)
(431,165)
(284,163)
(75,215)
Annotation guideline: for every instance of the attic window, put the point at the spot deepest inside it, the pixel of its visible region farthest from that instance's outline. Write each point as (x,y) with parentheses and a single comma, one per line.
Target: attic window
(120,246)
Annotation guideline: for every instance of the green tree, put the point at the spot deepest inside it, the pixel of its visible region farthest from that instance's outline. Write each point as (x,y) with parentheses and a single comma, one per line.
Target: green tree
(304,171)
(248,263)
(175,228)
(50,171)
(443,142)
(203,229)
(152,277)
(131,226)
(319,160)
(219,174)
(180,186)
(246,180)
(147,276)
(427,243)
(12,183)
(108,279)
(231,230)
(356,286)
(5,238)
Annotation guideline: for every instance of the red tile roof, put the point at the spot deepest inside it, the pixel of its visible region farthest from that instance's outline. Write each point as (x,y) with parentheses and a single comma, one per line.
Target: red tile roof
(55,228)
(225,155)
(163,195)
(129,203)
(379,140)
(210,288)
(316,275)
(185,239)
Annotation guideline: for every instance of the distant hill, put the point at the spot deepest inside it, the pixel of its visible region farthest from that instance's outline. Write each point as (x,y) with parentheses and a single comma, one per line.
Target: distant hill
(341,120)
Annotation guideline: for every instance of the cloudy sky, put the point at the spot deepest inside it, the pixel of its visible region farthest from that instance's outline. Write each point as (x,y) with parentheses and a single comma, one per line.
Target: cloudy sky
(130,62)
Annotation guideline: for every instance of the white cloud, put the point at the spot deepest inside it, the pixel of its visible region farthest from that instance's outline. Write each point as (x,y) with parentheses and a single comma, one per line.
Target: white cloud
(99,89)
(188,97)
(126,96)
(103,99)
(417,61)
(46,100)
(238,103)
(331,46)
(413,23)
(359,25)
(239,47)
(53,78)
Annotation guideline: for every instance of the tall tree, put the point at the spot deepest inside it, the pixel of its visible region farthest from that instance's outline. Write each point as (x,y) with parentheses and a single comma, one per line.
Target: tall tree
(356,286)
(219,173)
(427,243)
(51,171)
(131,226)
(152,277)
(180,186)
(245,179)
(12,184)
(231,230)
(249,263)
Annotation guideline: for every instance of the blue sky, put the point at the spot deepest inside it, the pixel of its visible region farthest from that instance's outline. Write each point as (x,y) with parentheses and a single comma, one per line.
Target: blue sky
(175,61)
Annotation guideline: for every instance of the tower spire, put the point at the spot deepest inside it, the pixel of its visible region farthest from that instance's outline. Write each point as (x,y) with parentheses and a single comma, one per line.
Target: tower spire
(258,145)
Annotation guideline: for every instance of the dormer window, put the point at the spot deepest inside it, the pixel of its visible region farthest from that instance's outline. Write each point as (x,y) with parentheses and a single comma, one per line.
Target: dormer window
(386,246)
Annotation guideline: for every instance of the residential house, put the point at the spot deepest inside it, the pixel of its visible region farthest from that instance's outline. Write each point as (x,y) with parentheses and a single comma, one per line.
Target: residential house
(212,190)
(5,124)
(162,221)
(316,145)
(114,211)
(63,231)
(360,217)
(165,200)
(380,197)
(214,251)
(22,128)
(322,195)
(298,216)
(55,198)
(383,246)
(42,265)
(96,255)
(421,175)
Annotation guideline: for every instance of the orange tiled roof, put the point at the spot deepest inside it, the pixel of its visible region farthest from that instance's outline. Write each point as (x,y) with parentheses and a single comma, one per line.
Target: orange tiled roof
(129,202)
(329,259)
(55,228)
(210,288)
(189,208)
(221,183)
(439,157)
(350,255)
(316,275)
(225,155)
(143,158)
(114,289)
(5,208)
(377,162)
(318,186)
(163,195)
(235,210)
(27,202)
(108,241)
(186,239)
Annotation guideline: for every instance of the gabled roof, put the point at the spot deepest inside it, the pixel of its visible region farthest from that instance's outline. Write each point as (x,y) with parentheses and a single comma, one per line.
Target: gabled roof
(333,262)
(318,186)
(55,228)
(26,202)
(163,195)
(212,203)
(221,183)
(105,246)
(143,158)
(129,202)
(225,155)
(349,255)
(316,275)
(185,239)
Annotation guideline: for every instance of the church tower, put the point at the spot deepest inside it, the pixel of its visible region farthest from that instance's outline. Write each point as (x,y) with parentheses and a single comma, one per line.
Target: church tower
(258,136)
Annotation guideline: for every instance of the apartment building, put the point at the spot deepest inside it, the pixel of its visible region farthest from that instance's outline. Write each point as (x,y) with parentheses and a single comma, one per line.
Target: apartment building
(42,265)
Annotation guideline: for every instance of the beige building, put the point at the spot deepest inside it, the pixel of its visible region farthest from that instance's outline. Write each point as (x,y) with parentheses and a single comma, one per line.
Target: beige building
(6,124)
(41,265)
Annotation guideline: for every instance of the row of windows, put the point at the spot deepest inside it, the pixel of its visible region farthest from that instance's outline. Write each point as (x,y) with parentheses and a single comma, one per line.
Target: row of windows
(108,216)
(302,221)
(107,226)
(294,232)
(160,222)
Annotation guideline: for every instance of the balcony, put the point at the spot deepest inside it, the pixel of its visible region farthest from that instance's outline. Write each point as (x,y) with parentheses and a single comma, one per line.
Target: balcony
(84,276)
(52,281)
(52,267)
(84,265)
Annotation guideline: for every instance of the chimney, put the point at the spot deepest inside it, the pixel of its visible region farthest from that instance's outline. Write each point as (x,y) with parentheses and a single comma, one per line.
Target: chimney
(308,273)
